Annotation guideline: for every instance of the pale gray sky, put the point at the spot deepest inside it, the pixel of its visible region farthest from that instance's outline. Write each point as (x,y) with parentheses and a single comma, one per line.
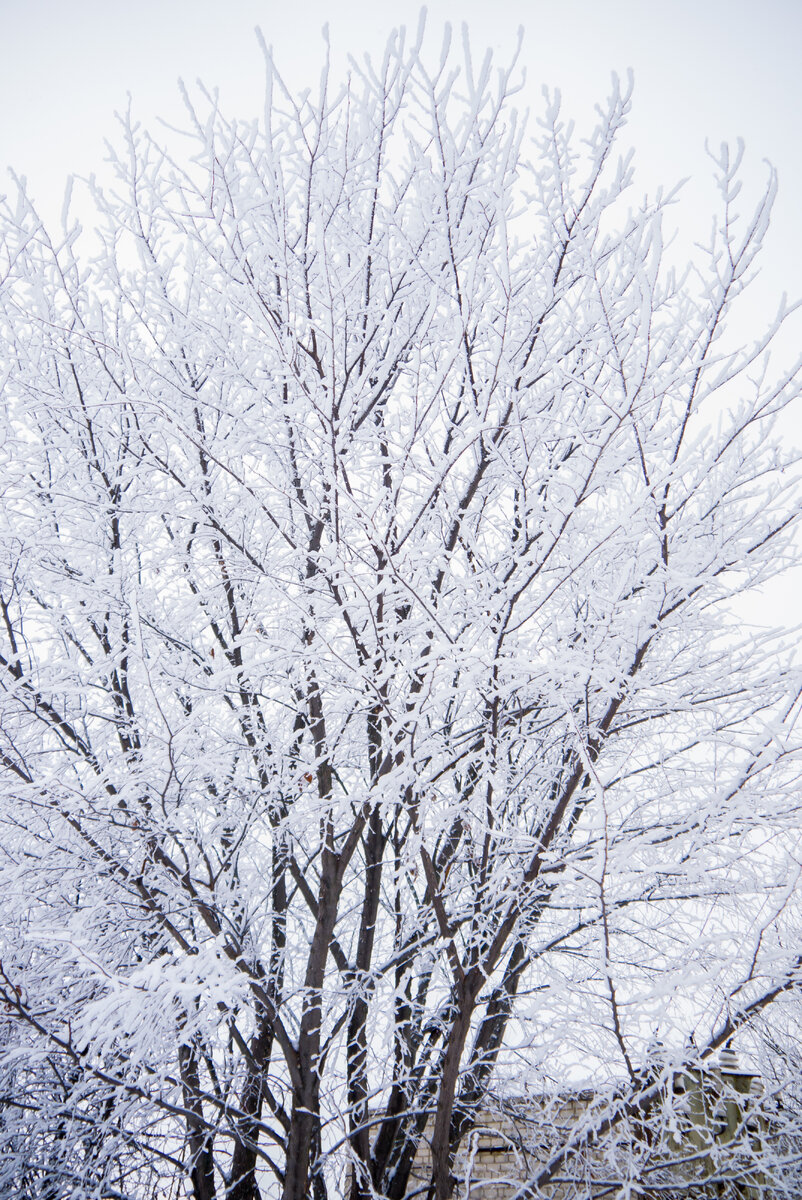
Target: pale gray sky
(716,68)
(720,69)
(703,68)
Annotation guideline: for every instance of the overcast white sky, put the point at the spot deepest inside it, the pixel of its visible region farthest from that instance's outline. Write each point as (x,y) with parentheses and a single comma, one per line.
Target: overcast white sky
(715,68)
(720,69)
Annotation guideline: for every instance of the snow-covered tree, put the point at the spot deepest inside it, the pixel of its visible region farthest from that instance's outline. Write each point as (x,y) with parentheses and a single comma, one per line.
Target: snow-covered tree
(378,736)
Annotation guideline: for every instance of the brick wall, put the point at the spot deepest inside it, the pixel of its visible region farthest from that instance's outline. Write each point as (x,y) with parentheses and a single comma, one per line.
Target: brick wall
(507,1147)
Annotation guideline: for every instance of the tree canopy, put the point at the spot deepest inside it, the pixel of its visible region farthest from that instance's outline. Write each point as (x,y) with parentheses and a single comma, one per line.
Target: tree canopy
(378,735)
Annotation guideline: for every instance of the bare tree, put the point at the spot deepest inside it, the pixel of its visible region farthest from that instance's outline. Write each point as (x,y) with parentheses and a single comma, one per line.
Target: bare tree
(377,729)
